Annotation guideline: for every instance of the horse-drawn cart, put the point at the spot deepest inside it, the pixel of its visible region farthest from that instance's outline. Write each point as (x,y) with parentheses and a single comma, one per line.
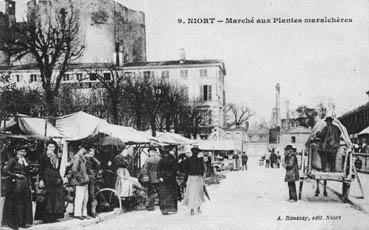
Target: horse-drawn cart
(342,171)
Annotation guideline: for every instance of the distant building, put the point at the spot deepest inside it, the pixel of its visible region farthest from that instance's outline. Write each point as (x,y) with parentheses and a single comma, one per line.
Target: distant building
(257,142)
(296,136)
(238,135)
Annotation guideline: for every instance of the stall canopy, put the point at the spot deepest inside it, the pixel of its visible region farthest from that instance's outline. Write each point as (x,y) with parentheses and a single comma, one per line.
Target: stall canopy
(364,131)
(221,145)
(80,125)
(124,134)
(172,138)
(33,126)
(321,124)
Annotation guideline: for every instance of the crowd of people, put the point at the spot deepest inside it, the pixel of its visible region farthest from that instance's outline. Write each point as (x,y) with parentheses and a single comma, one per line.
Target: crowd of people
(272,159)
(159,177)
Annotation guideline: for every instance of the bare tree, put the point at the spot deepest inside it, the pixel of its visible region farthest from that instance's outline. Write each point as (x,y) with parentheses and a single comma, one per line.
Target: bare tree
(53,43)
(238,115)
(174,99)
(112,81)
(190,119)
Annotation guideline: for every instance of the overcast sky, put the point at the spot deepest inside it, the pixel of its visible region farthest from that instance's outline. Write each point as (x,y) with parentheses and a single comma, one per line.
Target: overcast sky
(312,62)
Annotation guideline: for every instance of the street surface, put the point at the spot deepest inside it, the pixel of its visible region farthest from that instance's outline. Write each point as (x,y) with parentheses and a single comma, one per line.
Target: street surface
(253,199)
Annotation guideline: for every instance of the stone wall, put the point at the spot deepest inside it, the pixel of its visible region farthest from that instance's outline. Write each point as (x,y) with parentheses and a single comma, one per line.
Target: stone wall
(102,31)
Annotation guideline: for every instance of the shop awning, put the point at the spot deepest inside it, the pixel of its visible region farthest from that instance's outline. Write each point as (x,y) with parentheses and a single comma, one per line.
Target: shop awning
(364,131)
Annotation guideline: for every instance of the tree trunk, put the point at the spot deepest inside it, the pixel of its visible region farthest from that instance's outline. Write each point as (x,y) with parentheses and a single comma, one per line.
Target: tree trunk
(167,123)
(114,111)
(153,125)
(50,103)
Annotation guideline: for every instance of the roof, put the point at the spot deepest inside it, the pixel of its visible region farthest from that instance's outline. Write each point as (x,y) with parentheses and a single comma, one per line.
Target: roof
(133,64)
(357,110)
(177,62)
(364,131)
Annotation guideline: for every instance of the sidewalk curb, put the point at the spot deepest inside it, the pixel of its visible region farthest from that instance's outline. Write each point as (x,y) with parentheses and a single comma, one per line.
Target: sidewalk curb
(351,201)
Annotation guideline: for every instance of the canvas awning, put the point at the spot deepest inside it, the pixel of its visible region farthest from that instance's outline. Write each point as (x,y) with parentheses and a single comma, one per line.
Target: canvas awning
(172,138)
(79,125)
(125,134)
(33,126)
(364,131)
(321,124)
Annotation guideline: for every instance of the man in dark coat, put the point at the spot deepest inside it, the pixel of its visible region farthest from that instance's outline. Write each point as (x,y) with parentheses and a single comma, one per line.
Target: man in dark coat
(151,167)
(244,161)
(292,172)
(328,145)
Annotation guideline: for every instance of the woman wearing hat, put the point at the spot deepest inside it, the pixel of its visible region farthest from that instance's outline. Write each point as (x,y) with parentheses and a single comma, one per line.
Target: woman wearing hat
(52,208)
(168,187)
(194,168)
(123,185)
(17,210)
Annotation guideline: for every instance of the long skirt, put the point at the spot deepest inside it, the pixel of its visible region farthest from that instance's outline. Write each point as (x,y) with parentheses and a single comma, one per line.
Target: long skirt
(17,210)
(194,195)
(123,186)
(168,193)
(53,207)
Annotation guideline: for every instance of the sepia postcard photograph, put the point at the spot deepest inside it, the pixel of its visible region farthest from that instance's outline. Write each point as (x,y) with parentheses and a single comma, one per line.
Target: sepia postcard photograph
(184,114)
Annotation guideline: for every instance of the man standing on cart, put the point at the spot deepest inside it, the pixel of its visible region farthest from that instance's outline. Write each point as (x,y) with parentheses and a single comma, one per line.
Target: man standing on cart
(329,144)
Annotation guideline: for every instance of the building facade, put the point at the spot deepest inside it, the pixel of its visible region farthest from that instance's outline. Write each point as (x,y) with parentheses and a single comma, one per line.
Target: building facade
(297,137)
(238,135)
(110,32)
(203,80)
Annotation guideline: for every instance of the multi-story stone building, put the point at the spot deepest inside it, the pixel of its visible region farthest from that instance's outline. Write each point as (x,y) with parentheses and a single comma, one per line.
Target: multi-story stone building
(111,32)
(202,79)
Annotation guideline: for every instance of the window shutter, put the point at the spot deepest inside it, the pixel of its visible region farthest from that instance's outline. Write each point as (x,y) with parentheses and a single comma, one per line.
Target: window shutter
(202,92)
(209,92)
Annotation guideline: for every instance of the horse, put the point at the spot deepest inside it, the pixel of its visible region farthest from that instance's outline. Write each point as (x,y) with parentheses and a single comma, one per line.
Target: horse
(317,191)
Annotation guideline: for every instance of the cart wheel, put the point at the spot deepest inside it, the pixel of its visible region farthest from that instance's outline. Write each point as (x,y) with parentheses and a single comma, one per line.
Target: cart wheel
(111,197)
(345,191)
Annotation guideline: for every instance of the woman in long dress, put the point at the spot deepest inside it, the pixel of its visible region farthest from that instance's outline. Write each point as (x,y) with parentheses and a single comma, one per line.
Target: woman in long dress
(194,168)
(123,185)
(17,210)
(168,187)
(52,208)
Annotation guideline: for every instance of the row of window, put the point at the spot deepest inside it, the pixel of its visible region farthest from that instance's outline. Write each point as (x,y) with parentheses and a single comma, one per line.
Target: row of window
(164,74)
(107,76)
(68,77)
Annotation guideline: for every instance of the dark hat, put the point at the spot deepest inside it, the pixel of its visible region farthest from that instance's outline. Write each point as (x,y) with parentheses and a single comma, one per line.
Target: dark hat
(152,148)
(288,147)
(329,119)
(195,148)
(20,147)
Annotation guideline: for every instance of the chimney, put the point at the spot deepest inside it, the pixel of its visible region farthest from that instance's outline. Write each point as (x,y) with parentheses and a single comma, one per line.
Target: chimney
(10,11)
(182,57)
